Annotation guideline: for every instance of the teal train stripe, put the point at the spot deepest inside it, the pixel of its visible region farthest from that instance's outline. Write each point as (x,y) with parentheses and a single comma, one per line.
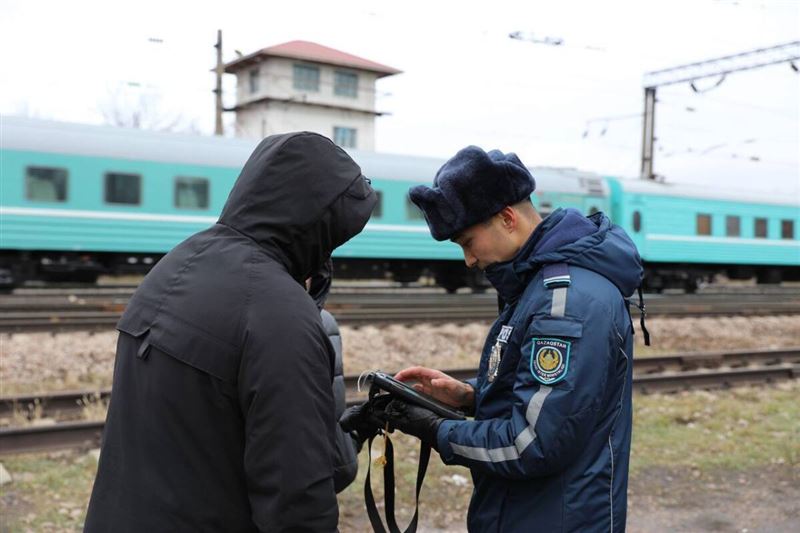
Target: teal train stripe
(153,217)
(722,240)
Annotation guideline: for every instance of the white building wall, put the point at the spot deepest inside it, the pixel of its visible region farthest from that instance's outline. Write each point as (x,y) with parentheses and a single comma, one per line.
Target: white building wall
(268,118)
(276,80)
(276,77)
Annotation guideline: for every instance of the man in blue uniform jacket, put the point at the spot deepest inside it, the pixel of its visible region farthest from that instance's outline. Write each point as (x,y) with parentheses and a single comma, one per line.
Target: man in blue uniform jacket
(549,444)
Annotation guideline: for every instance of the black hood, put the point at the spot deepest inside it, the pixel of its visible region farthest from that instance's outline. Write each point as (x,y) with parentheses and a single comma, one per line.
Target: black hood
(299,196)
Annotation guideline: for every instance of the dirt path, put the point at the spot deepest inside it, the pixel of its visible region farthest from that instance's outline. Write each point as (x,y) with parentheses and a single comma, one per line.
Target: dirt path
(660,501)
(764,500)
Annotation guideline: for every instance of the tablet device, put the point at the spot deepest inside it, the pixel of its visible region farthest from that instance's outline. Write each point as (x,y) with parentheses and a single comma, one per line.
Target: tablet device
(399,389)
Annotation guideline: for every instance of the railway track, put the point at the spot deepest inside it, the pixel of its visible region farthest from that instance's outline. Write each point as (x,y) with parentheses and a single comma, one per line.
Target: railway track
(93,310)
(665,374)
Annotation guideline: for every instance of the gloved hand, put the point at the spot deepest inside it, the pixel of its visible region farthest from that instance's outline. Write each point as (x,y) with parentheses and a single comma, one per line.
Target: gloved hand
(363,421)
(414,420)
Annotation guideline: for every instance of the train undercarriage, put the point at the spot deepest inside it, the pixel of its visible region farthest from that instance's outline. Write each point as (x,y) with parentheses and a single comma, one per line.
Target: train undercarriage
(18,267)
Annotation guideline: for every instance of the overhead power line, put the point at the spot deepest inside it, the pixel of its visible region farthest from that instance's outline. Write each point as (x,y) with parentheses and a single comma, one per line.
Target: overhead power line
(548,40)
(721,66)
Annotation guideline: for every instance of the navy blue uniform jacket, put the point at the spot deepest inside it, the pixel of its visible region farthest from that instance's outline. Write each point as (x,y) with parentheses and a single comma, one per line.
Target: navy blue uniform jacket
(549,446)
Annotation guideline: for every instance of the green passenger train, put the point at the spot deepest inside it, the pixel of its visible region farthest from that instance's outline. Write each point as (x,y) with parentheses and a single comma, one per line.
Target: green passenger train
(78,200)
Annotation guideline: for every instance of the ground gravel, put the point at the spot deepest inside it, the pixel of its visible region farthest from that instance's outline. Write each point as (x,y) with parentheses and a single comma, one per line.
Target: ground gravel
(454,346)
(32,362)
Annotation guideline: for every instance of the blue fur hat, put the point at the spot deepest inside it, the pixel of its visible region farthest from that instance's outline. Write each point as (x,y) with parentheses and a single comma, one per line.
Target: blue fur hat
(470,188)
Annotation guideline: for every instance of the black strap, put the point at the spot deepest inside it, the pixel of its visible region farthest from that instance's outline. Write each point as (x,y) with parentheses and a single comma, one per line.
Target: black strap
(642,316)
(388,490)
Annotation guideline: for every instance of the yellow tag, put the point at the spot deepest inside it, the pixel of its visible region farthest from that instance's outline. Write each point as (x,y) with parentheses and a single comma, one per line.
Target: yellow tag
(381,461)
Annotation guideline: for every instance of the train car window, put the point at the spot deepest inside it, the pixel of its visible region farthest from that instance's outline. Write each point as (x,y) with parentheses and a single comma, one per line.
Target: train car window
(44,184)
(704,224)
(545,208)
(761,228)
(637,221)
(593,210)
(191,193)
(412,211)
(787,229)
(732,226)
(123,188)
(377,212)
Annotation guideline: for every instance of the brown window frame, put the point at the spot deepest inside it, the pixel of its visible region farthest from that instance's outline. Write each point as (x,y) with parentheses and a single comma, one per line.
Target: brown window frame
(756,226)
(700,221)
(738,226)
(787,223)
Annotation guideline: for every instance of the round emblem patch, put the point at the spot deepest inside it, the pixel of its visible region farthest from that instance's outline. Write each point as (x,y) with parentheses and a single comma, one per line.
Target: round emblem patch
(549,359)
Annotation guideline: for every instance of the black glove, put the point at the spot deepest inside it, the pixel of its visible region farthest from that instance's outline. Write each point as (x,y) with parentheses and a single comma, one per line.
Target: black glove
(414,420)
(363,421)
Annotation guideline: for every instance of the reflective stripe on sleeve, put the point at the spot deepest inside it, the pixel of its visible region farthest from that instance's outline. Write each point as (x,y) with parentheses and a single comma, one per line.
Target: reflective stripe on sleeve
(559,305)
(523,440)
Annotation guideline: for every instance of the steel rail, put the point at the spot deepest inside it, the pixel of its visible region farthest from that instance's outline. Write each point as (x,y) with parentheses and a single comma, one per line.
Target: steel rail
(50,437)
(66,404)
(370,308)
(62,404)
(87,434)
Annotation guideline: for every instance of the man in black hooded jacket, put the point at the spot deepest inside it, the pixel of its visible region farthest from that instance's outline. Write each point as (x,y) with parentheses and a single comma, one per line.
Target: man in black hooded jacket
(222,411)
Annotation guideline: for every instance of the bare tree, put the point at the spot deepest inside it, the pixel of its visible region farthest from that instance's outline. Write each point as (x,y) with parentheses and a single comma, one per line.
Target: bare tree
(133,106)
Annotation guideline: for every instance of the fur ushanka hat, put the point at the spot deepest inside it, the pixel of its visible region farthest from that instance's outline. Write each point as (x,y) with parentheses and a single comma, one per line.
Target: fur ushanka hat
(470,188)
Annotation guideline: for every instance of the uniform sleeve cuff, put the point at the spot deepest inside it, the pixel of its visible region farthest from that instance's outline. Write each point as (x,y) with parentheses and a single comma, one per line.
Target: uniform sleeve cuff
(443,440)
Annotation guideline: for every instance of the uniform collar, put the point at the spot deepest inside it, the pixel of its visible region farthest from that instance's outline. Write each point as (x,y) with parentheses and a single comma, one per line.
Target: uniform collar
(562,227)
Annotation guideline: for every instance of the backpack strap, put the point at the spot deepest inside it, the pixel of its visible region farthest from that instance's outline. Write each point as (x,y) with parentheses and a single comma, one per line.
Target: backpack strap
(642,316)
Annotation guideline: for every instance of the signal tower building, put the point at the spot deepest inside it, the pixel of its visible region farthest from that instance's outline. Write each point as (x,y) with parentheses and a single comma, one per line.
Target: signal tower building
(300,85)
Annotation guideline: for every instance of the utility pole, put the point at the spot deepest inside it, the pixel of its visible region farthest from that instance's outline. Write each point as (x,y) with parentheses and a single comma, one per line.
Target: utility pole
(648,132)
(720,66)
(218,128)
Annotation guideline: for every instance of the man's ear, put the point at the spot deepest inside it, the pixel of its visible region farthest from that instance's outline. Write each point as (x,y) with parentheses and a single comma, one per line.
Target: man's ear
(508,218)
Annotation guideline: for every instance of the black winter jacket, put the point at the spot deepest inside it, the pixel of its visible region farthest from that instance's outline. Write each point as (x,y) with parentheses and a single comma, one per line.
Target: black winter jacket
(222,413)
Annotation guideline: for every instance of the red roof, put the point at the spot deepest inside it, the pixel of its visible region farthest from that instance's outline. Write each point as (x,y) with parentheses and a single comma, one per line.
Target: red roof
(308,51)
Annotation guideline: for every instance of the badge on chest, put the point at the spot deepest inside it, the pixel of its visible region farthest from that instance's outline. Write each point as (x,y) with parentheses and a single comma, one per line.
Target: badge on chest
(496,355)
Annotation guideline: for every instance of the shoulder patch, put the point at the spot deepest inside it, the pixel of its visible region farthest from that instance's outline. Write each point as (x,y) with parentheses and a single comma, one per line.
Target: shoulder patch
(549,359)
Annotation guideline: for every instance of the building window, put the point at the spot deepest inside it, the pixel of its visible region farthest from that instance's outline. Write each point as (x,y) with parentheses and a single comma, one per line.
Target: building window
(254,81)
(123,188)
(761,228)
(412,211)
(43,184)
(345,84)
(377,212)
(732,226)
(344,137)
(637,221)
(191,193)
(704,224)
(306,78)
(787,229)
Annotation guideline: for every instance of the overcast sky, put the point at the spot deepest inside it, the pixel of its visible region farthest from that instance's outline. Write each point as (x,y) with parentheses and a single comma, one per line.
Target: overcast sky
(464,81)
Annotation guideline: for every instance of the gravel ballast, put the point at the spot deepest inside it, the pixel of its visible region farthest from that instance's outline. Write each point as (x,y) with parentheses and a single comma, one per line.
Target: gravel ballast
(34,362)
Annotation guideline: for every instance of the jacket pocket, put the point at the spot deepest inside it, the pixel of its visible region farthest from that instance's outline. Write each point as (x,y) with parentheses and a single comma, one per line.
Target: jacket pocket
(186,343)
(556,327)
